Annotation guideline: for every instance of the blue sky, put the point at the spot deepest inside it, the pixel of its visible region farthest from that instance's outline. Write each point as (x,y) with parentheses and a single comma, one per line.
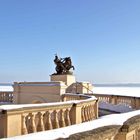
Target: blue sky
(101,36)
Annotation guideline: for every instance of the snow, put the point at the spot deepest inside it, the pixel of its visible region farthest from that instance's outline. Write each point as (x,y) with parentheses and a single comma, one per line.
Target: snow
(120,108)
(122,91)
(19,106)
(80,95)
(118,119)
(6,89)
(47,84)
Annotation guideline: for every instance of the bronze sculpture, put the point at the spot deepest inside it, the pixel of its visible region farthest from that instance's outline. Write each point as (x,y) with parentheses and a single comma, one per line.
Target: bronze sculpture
(63,65)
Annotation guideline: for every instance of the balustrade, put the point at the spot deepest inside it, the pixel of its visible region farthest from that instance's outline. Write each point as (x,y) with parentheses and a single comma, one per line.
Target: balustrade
(133,102)
(35,121)
(88,112)
(35,118)
(6,97)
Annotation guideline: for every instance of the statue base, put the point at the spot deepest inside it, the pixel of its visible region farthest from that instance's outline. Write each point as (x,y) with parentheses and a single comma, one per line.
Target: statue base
(68,79)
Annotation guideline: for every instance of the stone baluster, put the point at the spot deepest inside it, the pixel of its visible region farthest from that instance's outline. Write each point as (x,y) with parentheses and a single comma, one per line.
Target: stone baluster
(83,116)
(48,125)
(137,103)
(62,121)
(11,96)
(40,126)
(88,113)
(107,98)
(85,113)
(33,126)
(7,97)
(138,133)
(24,128)
(110,99)
(56,122)
(104,99)
(67,119)
(3,97)
(114,100)
(133,102)
(93,111)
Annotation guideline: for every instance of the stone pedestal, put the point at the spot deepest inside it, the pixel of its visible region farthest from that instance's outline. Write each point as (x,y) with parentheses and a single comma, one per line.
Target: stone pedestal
(67,79)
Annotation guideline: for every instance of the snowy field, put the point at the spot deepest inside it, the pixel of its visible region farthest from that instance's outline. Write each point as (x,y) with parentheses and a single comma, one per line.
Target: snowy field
(123,91)
(6,88)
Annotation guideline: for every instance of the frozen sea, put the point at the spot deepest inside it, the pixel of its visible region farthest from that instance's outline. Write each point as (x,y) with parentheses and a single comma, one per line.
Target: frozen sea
(6,88)
(123,90)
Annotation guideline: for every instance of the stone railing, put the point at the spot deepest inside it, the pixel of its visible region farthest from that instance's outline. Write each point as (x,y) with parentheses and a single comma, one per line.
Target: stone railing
(71,96)
(130,130)
(88,108)
(102,133)
(6,97)
(125,126)
(133,102)
(24,119)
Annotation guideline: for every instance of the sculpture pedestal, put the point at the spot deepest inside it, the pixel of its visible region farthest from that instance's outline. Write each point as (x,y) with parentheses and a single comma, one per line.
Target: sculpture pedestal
(67,79)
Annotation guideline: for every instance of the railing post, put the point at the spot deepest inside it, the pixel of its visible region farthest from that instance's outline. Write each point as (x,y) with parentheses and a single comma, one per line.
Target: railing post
(96,109)
(137,103)
(3,125)
(133,102)
(76,115)
(113,100)
(10,123)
